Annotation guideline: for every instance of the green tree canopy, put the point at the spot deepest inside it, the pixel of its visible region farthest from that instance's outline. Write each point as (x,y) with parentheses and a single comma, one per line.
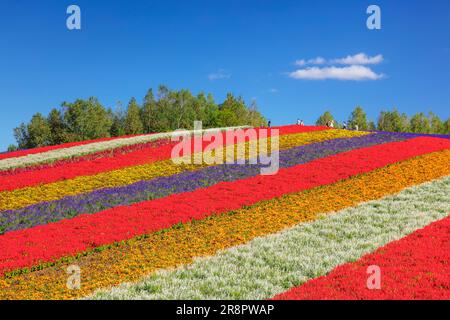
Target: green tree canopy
(420,123)
(133,122)
(57,127)
(358,118)
(393,121)
(170,110)
(148,113)
(446,126)
(436,124)
(39,132)
(324,118)
(21,136)
(12,147)
(371,126)
(118,121)
(86,120)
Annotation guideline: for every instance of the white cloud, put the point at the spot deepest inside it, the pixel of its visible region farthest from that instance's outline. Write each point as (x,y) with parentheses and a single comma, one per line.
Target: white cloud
(273,90)
(219,75)
(317,60)
(356,73)
(359,59)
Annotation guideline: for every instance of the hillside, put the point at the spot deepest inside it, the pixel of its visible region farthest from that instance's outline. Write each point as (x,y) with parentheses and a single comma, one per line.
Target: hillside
(291,212)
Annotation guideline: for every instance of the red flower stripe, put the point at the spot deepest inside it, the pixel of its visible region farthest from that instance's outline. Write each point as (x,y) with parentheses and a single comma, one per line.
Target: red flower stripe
(27,247)
(87,157)
(64,170)
(415,267)
(21,153)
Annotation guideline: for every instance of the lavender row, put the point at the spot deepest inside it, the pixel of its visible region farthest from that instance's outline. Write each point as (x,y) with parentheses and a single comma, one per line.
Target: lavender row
(410,135)
(102,199)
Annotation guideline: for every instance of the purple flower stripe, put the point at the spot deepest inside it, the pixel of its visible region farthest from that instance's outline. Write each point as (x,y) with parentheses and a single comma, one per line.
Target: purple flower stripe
(411,135)
(102,199)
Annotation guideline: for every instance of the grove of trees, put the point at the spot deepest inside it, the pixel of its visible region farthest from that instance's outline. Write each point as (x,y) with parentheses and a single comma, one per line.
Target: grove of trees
(392,121)
(169,110)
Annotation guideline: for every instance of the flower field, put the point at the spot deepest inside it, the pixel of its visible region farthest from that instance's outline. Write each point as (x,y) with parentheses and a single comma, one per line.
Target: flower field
(140,226)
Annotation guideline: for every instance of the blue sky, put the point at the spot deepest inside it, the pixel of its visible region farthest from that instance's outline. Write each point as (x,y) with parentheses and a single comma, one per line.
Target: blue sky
(249,48)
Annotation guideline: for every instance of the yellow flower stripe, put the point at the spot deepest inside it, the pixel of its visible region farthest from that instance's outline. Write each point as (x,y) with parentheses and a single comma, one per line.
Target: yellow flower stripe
(130,260)
(48,192)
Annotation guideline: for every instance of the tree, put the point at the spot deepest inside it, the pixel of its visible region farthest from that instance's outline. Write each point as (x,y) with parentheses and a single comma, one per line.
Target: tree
(118,121)
(182,110)
(254,117)
(358,118)
(436,124)
(446,129)
(21,136)
(12,147)
(420,123)
(39,133)
(211,112)
(148,113)
(133,123)
(57,127)
(325,118)
(393,121)
(230,112)
(371,126)
(86,120)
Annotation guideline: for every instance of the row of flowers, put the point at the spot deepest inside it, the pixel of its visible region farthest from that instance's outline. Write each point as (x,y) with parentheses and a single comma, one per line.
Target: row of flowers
(21,153)
(415,267)
(80,150)
(139,157)
(28,247)
(130,260)
(81,184)
(103,199)
(158,144)
(268,265)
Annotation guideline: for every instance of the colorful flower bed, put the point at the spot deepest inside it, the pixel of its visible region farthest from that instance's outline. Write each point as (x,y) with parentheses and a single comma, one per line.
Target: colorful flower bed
(130,260)
(415,267)
(80,149)
(265,266)
(51,241)
(66,171)
(123,214)
(102,199)
(47,192)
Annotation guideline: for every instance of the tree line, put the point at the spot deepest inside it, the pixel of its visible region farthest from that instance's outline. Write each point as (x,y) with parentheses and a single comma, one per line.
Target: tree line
(392,121)
(169,110)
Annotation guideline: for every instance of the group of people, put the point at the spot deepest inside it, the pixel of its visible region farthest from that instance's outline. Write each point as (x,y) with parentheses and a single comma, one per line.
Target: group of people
(344,126)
